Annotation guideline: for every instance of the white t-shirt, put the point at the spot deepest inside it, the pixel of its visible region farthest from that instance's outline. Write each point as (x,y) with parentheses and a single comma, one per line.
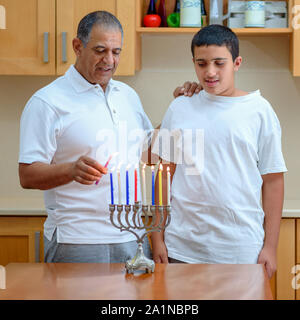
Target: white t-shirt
(225,144)
(72,117)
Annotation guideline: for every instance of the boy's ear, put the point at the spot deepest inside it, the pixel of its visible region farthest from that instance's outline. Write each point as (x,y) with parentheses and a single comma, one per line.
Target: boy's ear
(237,63)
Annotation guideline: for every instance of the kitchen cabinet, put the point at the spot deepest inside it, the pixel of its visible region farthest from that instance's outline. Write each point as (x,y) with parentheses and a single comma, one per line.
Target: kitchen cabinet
(38,35)
(28,42)
(295,41)
(296,274)
(70,12)
(286,253)
(21,239)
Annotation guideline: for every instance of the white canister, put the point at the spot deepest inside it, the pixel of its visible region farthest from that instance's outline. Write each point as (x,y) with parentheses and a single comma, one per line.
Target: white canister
(190,13)
(255,14)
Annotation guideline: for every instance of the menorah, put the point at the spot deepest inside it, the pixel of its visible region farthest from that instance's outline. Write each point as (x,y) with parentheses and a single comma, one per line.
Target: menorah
(136,222)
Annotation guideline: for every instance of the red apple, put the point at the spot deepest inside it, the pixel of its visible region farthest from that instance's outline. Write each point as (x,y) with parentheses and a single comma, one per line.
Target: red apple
(152,20)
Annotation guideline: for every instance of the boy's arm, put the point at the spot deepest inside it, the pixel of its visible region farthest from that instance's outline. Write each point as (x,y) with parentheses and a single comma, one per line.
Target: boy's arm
(272,201)
(159,250)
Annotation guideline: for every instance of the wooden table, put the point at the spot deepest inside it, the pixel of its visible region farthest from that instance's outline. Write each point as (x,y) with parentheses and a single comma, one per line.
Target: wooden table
(93,281)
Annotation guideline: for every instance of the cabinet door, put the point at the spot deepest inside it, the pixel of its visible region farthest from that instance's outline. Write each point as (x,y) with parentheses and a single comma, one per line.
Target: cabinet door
(28,42)
(295,41)
(286,260)
(70,12)
(21,239)
(297,273)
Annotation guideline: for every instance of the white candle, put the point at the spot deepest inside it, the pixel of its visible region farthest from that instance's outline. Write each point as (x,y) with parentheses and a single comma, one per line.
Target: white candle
(168,186)
(144,185)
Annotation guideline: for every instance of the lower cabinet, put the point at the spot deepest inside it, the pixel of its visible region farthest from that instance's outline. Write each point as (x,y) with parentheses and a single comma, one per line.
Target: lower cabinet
(296,271)
(21,239)
(286,260)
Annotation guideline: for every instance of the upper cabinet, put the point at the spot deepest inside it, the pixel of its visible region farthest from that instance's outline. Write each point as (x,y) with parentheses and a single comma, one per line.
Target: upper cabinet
(70,12)
(295,39)
(28,42)
(38,35)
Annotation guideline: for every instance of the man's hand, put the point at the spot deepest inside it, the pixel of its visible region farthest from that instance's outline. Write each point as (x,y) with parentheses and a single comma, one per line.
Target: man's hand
(188,89)
(267,257)
(87,170)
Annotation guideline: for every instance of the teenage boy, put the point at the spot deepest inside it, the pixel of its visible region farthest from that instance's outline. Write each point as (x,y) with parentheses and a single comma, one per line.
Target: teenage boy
(217,216)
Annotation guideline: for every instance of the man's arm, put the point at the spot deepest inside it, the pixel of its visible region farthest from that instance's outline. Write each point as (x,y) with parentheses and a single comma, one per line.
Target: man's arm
(43,176)
(159,250)
(272,201)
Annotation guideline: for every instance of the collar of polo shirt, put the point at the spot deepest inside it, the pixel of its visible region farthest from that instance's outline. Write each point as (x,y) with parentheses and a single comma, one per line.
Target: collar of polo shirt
(80,84)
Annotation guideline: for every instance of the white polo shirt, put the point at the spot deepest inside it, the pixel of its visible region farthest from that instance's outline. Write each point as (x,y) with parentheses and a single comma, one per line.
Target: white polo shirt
(216,211)
(72,117)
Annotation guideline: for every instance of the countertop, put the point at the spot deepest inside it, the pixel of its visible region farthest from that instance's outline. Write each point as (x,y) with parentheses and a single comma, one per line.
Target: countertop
(101,281)
(35,207)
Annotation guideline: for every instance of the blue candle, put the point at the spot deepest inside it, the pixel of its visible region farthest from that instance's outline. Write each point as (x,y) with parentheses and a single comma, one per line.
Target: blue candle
(153,189)
(127,187)
(111,188)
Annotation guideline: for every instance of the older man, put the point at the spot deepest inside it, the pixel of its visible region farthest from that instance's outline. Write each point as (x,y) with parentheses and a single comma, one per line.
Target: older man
(62,149)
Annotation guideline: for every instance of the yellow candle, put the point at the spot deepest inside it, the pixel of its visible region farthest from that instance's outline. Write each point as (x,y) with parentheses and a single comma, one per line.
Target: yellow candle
(160,184)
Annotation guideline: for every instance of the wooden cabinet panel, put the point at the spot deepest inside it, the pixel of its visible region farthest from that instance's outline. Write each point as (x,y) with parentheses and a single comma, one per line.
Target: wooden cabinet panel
(286,260)
(24,41)
(28,51)
(70,12)
(295,42)
(297,274)
(21,239)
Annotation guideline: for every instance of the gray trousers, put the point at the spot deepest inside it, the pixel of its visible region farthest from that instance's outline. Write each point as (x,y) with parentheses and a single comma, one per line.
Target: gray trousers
(92,253)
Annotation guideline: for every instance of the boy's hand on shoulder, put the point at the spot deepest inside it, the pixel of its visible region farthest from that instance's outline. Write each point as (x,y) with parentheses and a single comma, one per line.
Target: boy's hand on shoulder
(267,257)
(159,251)
(187,89)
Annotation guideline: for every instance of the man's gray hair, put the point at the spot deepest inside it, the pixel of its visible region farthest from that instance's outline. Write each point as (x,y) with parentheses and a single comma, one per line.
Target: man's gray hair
(101,18)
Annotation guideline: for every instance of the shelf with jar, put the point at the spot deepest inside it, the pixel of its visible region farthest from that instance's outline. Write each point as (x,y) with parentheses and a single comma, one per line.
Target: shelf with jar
(282,10)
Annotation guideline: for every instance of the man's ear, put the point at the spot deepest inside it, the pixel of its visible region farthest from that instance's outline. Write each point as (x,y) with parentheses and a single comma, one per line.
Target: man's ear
(237,63)
(77,46)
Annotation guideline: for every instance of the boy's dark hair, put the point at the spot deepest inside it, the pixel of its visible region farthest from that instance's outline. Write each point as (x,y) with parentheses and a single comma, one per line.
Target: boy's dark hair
(218,35)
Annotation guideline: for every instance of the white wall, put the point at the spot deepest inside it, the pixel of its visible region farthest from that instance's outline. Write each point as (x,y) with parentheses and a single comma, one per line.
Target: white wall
(166,64)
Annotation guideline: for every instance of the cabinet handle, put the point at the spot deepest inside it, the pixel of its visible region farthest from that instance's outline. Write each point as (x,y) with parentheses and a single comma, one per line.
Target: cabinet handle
(37,246)
(46,40)
(64,46)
